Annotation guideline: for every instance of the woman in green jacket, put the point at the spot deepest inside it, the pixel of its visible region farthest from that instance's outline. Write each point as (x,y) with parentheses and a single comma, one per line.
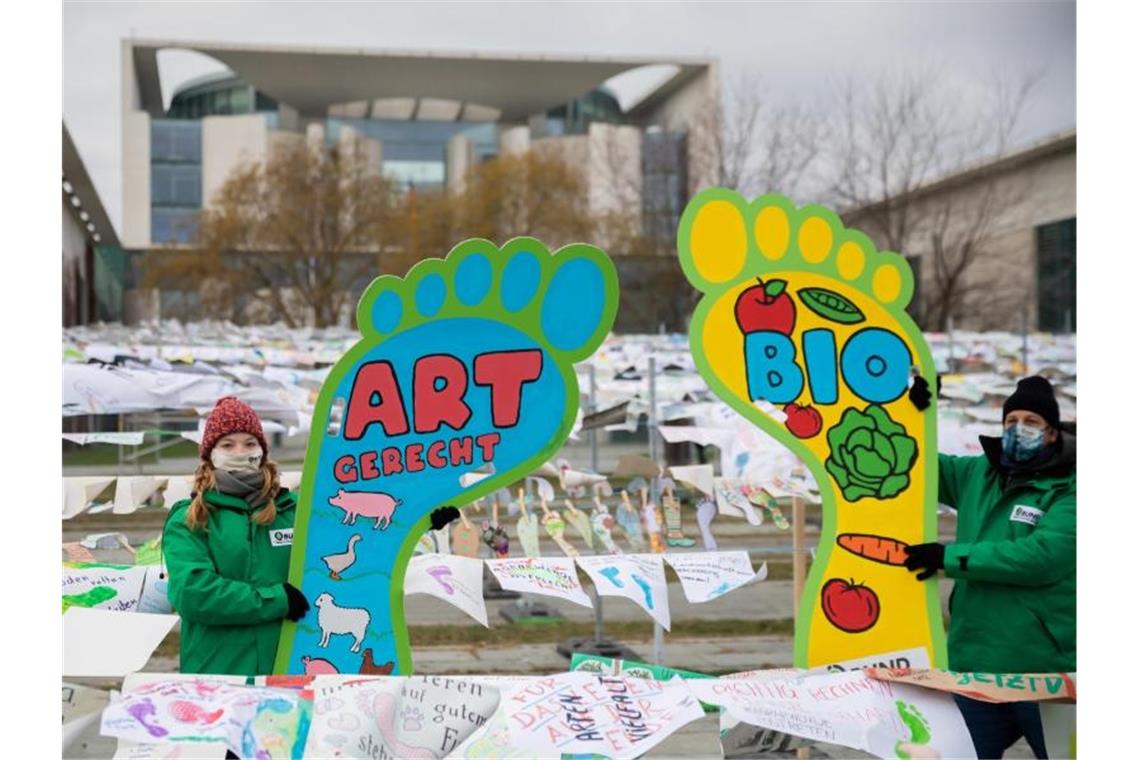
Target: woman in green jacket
(227,551)
(1014,560)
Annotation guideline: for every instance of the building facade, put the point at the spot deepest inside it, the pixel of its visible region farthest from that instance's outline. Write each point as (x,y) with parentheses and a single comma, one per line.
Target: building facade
(93,261)
(1009,224)
(425,120)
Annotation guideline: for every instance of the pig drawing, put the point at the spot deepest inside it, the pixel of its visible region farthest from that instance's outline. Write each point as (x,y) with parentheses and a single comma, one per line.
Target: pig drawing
(365,504)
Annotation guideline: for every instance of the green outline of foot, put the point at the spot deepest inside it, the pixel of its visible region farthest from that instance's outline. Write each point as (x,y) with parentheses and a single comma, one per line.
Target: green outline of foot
(756,263)
(527,320)
(916,723)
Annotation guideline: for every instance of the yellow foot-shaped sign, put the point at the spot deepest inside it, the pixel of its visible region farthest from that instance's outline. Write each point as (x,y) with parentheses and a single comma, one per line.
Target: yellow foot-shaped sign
(803,329)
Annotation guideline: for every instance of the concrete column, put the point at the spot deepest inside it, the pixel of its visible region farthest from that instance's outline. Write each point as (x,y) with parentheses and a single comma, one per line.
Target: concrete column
(460,160)
(136,180)
(513,140)
(227,143)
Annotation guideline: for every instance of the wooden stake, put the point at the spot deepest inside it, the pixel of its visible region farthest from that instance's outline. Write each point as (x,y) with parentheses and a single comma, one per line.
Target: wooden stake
(799,555)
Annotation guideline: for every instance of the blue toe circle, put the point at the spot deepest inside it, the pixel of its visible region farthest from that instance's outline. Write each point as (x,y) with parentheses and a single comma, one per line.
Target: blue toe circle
(473,279)
(573,305)
(387,310)
(430,294)
(520,280)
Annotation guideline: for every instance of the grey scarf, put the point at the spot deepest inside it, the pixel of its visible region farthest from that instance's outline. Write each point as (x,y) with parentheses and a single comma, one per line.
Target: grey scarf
(242,485)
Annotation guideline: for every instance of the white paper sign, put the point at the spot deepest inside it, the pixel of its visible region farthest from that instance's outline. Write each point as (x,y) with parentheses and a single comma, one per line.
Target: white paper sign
(154,598)
(100,643)
(421,718)
(132,490)
(640,577)
(455,579)
(121,439)
(611,716)
(708,575)
(549,576)
(102,586)
(849,709)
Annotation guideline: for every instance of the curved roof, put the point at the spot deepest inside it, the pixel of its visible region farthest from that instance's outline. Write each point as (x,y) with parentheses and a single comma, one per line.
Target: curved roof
(313,79)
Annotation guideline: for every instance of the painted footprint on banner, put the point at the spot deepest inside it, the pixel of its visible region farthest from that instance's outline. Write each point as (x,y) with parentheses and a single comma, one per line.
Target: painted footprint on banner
(466,362)
(645,589)
(803,330)
(915,747)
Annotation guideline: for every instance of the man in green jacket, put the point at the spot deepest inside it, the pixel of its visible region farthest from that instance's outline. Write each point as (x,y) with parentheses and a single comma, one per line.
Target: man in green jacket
(1014,560)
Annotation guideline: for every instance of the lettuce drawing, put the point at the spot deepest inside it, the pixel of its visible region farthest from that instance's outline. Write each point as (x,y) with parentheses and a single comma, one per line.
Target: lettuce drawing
(871,454)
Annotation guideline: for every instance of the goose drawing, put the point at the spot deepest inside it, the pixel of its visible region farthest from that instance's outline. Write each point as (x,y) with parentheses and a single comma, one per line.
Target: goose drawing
(338,563)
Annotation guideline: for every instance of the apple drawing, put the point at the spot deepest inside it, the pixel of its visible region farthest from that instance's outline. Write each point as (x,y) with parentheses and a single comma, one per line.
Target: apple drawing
(766,306)
(803,421)
(851,607)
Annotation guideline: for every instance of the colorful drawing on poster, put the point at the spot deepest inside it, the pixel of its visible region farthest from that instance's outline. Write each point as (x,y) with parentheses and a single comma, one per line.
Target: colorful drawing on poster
(802,329)
(465,362)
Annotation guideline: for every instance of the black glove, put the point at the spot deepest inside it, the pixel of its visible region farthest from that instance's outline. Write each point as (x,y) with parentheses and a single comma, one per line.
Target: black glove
(928,558)
(919,393)
(443,516)
(298,604)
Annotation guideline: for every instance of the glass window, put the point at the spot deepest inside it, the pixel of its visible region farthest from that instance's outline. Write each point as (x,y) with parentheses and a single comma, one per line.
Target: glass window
(173,225)
(175,185)
(241,100)
(418,173)
(175,141)
(1057,276)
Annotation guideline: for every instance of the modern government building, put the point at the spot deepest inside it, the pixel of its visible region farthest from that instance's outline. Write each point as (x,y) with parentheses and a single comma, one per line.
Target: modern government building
(424,119)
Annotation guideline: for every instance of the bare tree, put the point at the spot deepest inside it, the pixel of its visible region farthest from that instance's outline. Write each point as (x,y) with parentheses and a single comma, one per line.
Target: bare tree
(299,232)
(753,145)
(896,140)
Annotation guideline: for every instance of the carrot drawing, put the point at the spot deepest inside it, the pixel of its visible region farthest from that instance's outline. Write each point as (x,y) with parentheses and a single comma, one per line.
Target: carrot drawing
(888,551)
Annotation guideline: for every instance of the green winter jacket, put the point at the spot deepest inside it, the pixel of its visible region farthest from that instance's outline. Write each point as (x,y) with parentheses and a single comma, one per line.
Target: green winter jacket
(1014,604)
(226,583)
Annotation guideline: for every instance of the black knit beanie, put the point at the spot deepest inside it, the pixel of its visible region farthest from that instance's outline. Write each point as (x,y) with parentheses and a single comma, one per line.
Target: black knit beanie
(1034,394)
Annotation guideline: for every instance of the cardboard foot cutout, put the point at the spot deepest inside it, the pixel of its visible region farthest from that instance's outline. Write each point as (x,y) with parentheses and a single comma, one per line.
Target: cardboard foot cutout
(464,362)
(802,316)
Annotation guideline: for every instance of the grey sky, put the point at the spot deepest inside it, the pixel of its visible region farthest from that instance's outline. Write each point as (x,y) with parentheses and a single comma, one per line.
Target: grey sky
(798,49)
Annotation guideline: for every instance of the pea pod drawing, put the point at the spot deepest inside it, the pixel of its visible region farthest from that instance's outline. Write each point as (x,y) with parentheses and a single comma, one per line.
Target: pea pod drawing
(830,305)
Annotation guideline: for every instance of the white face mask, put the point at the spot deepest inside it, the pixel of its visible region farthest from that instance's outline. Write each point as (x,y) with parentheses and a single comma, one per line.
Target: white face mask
(250,461)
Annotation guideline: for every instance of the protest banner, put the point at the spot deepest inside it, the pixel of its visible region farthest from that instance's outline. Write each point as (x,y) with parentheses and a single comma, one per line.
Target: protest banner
(611,716)
(802,329)
(453,578)
(987,687)
(549,576)
(850,709)
(640,577)
(418,718)
(102,586)
(706,576)
(250,721)
(465,364)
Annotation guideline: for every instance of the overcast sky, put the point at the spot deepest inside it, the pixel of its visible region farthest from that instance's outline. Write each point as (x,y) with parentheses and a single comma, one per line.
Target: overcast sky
(799,49)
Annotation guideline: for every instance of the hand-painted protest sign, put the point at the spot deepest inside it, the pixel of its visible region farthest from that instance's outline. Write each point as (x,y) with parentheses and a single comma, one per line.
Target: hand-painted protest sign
(640,577)
(465,362)
(803,330)
(550,576)
(454,579)
(102,586)
(987,687)
(421,718)
(850,709)
(249,721)
(611,716)
(706,576)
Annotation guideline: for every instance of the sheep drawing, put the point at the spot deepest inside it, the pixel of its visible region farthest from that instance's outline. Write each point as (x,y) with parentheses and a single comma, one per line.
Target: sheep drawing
(337,620)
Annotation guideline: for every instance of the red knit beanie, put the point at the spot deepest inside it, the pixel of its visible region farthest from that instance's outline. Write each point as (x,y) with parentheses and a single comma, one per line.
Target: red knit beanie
(231,415)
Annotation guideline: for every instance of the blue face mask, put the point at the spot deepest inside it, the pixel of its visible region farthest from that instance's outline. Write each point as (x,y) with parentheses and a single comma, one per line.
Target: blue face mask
(1020,443)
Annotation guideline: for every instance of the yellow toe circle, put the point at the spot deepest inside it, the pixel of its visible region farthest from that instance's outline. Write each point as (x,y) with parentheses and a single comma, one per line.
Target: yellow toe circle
(718,241)
(887,283)
(772,232)
(815,239)
(850,260)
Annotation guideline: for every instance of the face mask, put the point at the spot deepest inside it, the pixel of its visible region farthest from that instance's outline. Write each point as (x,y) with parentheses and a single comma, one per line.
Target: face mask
(1021,442)
(249,462)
